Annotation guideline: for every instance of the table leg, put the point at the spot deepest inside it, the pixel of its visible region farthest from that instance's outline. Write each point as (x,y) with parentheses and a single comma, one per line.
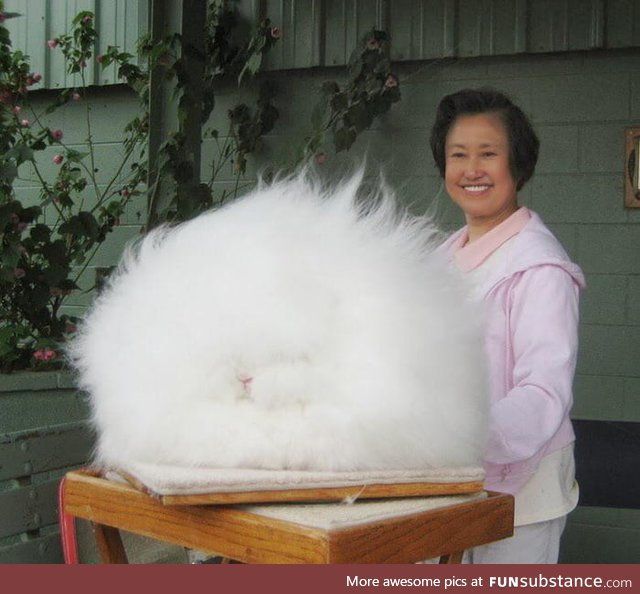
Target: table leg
(110,547)
(452,558)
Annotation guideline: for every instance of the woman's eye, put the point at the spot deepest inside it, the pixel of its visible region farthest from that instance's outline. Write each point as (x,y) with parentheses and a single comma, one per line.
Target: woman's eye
(489,154)
(456,155)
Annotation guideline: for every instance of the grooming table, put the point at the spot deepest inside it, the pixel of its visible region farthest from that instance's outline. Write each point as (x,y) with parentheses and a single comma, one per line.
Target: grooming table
(398,530)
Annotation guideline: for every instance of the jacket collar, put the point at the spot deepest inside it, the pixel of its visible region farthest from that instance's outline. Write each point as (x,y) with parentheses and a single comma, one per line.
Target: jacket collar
(468,256)
(535,246)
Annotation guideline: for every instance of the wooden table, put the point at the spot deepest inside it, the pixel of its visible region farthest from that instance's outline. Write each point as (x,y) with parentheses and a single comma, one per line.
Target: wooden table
(255,534)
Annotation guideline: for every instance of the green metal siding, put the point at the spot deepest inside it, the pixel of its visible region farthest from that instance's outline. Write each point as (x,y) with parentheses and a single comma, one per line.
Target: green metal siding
(345,22)
(119,22)
(323,32)
(300,47)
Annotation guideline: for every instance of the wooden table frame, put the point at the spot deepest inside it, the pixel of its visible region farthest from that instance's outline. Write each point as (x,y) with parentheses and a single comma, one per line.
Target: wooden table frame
(247,537)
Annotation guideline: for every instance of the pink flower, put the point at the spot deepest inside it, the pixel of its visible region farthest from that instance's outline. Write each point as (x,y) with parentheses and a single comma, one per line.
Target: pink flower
(69,328)
(76,96)
(373,44)
(25,123)
(57,134)
(45,354)
(16,109)
(321,158)
(276,33)
(99,58)
(83,64)
(391,82)
(19,272)
(36,77)
(124,192)
(57,159)
(87,19)
(52,43)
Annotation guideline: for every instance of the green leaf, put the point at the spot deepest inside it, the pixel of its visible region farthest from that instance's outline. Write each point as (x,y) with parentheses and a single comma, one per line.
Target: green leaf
(21,153)
(344,138)
(339,102)
(268,118)
(40,233)
(330,87)
(358,117)
(8,172)
(252,66)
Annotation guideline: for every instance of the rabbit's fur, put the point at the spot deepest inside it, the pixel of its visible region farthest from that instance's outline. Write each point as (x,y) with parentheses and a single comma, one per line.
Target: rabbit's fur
(294,328)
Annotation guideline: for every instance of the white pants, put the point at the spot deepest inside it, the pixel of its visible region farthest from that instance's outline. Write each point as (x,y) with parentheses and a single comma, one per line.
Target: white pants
(533,543)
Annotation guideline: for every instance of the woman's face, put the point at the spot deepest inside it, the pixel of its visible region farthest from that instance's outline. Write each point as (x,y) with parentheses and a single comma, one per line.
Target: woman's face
(477,173)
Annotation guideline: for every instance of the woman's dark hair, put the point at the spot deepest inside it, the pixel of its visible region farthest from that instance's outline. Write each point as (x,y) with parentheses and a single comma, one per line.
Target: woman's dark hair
(523,142)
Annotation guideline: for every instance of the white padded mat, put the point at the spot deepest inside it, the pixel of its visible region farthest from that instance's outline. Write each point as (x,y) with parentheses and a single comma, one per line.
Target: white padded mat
(341,515)
(167,480)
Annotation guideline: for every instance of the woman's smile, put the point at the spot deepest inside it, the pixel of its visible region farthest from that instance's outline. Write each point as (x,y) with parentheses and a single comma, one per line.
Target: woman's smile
(477,173)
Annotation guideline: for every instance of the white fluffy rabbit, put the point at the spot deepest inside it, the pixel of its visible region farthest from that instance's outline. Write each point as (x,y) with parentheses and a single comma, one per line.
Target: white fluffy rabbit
(296,328)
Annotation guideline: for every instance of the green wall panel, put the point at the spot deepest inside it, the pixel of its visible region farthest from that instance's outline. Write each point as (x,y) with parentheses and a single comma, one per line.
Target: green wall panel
(599,539)
(28,508)
(39,549)
(52,449)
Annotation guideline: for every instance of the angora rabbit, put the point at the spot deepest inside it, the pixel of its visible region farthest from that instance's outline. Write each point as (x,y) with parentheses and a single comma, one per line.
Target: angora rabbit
(295,328)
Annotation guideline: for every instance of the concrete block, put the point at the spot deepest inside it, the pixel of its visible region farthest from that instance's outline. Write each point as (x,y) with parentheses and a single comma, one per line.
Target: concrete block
(111,250)
(609,350)
(609,249)
(633,302)
(598,397)
(558,149)
(578,198)
(631,410)
(604,300)
(585,543)
(581,98)
(602,148)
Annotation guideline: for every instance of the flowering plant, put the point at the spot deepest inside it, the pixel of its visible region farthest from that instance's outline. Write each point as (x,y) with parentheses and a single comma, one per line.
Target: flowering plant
(40,264)
(344,112)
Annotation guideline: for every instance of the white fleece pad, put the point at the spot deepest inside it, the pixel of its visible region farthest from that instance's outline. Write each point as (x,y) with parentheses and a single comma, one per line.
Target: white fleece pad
(167,480)
(340,515)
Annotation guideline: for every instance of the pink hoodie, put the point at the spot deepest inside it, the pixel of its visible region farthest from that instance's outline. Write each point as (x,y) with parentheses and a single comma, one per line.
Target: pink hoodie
(531,301)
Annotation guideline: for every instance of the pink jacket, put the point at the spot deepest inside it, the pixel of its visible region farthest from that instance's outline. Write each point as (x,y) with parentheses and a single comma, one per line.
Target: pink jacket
(531,301)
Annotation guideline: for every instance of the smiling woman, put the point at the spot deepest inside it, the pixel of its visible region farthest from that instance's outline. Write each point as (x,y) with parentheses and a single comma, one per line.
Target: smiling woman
(486,150)
(477,175)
